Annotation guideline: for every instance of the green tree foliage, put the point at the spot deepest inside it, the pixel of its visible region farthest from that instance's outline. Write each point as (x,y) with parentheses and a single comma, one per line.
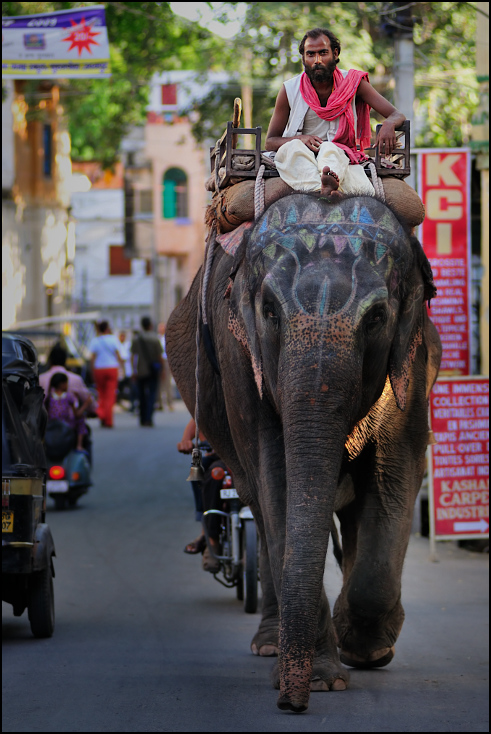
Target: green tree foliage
(444,37)
(146,37)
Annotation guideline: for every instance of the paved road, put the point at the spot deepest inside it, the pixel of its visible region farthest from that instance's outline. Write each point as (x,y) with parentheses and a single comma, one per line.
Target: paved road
(145,641)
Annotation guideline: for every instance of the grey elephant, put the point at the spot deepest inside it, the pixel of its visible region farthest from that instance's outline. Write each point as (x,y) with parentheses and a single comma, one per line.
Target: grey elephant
(314,390)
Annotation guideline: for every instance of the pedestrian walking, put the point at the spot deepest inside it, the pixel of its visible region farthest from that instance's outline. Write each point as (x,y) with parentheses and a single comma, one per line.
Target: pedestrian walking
(166,379)
(126,387)
(105,361)
(148,363)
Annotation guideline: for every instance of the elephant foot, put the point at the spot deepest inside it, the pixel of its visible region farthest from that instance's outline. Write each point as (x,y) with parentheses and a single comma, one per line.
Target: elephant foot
(317,684)
(376,659)
(367,643)
(265,651)
(326,676)
(265,641)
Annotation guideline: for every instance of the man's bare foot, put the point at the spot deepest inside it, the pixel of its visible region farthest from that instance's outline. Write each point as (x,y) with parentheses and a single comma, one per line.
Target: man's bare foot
(329,183)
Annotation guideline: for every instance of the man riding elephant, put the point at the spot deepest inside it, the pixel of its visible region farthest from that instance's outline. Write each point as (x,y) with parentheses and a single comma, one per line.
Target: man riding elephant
(319,117)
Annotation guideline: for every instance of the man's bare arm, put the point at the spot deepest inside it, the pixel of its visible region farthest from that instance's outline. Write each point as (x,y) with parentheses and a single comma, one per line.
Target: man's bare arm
(279,120)
(386,139)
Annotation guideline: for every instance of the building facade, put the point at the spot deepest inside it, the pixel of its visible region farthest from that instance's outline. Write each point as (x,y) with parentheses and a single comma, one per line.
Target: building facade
(106,280)
(37,230)
(166,171)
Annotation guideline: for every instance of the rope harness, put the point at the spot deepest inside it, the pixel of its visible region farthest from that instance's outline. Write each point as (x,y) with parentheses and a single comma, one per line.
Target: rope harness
(202,318)
(259,193)
(376,182)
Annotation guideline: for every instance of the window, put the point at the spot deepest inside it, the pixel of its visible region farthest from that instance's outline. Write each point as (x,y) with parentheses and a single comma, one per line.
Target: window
(144,203)
(48,150)
(119,264)
(175,194)
(169,94)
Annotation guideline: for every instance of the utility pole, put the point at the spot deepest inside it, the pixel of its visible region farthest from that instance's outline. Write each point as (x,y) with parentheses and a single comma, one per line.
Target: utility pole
(404,65)
(398,23)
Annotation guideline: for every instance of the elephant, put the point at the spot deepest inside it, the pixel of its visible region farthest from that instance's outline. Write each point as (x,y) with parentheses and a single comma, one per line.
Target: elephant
(313,386)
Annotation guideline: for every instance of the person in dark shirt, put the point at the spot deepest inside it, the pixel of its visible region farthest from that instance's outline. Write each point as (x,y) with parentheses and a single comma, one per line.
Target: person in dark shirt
(148,363)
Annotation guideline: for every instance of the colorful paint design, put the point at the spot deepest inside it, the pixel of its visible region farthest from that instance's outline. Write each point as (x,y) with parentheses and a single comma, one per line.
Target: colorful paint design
(314,229)
(298,236)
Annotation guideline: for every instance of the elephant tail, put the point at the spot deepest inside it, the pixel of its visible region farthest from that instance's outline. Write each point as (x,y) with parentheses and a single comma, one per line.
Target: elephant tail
(336,546)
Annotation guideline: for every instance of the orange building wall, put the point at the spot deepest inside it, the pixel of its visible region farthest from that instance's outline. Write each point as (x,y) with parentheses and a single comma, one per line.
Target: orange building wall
(171,145)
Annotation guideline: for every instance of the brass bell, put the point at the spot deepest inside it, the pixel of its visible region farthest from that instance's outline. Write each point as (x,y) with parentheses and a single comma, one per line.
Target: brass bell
(196,473)
(431,438)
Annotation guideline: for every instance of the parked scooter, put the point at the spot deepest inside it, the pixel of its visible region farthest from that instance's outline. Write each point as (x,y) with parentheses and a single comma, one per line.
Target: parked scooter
(238,541)
(68,475)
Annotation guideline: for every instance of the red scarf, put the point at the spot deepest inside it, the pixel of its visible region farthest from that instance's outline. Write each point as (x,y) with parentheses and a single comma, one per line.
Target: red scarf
(339,105)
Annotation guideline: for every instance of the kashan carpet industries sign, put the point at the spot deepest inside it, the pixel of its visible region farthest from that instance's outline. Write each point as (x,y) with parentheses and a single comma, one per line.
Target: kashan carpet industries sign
(69,43)
(443,183)
(459,466)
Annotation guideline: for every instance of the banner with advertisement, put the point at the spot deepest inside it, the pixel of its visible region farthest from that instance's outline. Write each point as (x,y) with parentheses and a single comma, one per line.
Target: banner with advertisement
(459,460)
(444,187)
(68,44)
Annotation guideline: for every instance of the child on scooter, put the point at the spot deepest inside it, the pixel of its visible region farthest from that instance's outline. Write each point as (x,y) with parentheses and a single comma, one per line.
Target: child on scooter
(62,405)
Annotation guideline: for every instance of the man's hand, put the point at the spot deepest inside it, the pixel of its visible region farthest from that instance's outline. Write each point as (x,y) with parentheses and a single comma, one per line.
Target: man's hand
(185,446)
(386,139)
(313,142)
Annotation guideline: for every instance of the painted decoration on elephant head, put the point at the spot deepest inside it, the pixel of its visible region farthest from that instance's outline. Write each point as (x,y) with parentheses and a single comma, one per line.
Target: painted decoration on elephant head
(303,234)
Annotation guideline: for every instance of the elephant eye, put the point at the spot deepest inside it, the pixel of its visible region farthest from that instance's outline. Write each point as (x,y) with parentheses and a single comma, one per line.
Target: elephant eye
(270,314)
(375,319)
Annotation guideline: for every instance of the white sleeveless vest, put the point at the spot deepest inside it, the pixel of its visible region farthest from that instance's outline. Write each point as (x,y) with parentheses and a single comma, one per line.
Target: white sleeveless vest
(299,108)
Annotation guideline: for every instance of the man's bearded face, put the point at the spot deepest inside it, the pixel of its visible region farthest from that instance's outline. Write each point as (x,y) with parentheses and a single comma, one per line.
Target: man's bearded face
(320,72)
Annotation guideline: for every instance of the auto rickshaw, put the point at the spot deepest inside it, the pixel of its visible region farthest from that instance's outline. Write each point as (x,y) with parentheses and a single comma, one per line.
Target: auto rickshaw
(27,544)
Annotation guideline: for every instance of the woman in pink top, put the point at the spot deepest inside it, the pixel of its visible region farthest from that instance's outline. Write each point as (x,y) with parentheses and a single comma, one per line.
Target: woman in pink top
(62,405)
(105,361)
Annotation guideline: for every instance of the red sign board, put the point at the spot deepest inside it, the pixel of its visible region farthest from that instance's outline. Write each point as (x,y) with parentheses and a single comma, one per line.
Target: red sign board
(459,465)
(444,187)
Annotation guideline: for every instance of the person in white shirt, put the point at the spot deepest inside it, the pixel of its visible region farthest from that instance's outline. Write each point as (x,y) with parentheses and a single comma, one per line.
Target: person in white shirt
(105,361)
(127,385)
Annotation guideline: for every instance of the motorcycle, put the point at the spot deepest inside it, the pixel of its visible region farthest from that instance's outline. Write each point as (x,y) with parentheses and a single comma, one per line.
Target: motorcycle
(68,469)
(238,541)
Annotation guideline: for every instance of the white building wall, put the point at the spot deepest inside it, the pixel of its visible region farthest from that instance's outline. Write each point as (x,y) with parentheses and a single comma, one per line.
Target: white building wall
(8,168)
(123,299)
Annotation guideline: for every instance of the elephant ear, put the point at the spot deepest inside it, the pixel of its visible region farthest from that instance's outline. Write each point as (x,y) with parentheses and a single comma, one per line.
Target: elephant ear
(242,324)
(418,287)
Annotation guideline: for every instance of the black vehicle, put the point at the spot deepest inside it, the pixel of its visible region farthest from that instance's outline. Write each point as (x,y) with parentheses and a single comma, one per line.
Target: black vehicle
(44,339)
(27,544)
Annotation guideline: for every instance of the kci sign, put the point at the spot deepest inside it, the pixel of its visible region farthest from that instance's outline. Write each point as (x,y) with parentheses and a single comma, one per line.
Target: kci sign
(443,184)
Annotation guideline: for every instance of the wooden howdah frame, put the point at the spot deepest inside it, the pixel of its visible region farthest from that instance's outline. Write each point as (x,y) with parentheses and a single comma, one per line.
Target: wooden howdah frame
(226,150)
(400,156)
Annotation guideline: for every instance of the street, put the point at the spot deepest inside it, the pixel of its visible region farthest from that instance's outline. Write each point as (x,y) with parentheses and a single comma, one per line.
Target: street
(147,641)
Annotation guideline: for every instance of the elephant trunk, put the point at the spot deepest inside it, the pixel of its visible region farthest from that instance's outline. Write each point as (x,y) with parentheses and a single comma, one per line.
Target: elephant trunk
(314,442)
